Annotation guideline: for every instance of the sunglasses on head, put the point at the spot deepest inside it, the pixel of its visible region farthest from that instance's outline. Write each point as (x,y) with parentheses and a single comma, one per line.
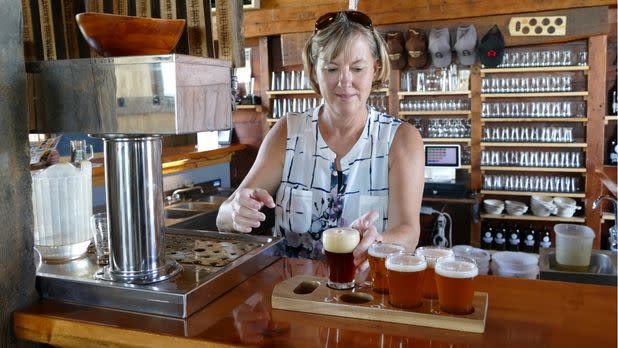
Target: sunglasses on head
(353,16)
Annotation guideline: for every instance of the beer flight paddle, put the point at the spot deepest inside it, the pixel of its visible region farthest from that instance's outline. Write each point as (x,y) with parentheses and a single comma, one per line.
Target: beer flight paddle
(312,295)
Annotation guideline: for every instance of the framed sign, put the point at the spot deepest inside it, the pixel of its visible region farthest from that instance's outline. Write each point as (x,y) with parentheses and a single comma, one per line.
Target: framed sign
(246,4)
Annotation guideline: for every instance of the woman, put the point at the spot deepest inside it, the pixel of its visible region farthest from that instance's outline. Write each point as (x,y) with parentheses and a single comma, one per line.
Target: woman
(341,164)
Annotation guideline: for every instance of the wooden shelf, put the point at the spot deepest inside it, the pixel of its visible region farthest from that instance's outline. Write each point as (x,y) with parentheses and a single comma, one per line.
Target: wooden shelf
(466,113)
(417,94)
(534,119)
(257,108)
(499,144)
(530,193)
(610,118)
(583,68)
(449,200)
(534,95)
(534,169)
(607,216)
(290,91)
(310,91)
(529,217)
(447,140)
(381,90)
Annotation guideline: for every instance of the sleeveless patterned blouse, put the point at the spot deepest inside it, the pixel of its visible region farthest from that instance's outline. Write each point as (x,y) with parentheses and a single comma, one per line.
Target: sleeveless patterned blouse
(309,199)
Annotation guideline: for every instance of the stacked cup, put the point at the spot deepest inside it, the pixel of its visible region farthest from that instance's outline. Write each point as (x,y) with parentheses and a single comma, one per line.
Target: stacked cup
(515,207)
(566,207)
(493,206)
(542,205)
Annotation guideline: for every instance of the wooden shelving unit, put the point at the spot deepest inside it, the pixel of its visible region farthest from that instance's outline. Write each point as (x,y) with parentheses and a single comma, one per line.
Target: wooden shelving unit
(534,119)
(530,193)
(534,95)
(557,145)
(583,68)
(533,169)
(610,118)
(528,217)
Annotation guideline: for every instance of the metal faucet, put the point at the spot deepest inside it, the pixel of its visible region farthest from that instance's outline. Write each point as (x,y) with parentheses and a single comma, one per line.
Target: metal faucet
(613,243)
(177,192)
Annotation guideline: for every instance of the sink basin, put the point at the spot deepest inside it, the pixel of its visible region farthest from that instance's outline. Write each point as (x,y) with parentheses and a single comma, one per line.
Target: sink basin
(180,214)
(202,206)
(204,221)
(218,200)
(602,269)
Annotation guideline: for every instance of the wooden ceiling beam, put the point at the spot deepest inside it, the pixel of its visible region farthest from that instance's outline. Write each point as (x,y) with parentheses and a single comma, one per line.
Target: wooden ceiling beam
(278,16)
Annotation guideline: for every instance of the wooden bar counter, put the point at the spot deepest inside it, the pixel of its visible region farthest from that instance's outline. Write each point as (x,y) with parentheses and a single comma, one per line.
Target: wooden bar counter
(521,313)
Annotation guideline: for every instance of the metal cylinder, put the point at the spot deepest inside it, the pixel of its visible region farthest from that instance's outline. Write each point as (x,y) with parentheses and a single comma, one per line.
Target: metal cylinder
(134,192)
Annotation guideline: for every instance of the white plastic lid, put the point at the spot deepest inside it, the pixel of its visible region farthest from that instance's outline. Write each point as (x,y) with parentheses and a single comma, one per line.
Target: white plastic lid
(340,239)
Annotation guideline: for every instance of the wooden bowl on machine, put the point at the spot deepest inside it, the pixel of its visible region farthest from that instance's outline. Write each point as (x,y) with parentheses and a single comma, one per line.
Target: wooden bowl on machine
(115,35)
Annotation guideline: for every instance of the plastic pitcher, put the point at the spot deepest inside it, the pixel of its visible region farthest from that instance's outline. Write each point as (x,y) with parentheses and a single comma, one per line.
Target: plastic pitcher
(573,246)
(62,205)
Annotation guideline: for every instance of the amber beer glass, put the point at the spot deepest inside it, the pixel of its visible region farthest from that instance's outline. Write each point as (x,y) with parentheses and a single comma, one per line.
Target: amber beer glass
(455,280)
(338,245)
(431,254)
(377,254)
(406,272)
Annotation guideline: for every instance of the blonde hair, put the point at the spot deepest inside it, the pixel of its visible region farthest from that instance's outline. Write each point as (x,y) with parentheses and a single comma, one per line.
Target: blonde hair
(331,40)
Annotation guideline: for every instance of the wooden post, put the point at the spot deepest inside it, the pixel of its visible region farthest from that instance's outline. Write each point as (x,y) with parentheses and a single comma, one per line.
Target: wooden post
(597,56)
(475,146)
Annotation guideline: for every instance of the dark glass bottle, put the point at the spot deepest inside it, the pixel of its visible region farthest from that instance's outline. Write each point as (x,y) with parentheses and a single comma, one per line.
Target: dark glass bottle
(545,238)
(612,101)
(514,239)
(500,238)
(487,236)
(529,240)
(612,151)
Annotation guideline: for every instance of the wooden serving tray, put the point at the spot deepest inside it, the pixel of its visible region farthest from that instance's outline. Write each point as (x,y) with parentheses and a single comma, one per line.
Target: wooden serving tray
(311,295)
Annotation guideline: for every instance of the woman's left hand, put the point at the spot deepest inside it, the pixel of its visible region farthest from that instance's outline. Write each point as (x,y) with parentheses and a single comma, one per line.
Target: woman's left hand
(369,235)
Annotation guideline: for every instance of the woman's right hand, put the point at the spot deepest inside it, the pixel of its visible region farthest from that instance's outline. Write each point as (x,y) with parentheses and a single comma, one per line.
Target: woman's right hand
(245,208)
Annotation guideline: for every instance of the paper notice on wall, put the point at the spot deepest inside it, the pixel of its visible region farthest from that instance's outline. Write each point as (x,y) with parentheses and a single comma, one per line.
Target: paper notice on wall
(38,149)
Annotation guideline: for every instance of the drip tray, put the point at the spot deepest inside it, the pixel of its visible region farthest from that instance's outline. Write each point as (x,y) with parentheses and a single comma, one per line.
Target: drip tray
(213,263)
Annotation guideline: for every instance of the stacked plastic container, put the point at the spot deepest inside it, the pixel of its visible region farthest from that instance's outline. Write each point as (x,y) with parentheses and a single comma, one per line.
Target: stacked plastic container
(482,257)
(515,264)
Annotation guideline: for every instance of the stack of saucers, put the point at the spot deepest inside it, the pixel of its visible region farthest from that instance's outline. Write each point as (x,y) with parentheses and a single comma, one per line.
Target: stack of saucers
(481,256)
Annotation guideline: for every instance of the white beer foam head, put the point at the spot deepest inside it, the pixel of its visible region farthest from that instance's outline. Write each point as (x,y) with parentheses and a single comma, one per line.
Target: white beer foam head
(457,268)
(433,253)
(405,263)
(340,240)
(384,249)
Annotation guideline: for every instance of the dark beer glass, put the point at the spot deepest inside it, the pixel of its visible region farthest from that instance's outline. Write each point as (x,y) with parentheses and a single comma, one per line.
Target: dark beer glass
(339,243)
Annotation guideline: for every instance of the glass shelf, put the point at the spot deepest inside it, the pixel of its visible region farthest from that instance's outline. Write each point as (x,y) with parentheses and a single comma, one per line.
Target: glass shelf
(529,217)
(530,193)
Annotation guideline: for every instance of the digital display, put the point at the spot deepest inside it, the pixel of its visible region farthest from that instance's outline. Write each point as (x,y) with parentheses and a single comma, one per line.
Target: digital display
(442,155)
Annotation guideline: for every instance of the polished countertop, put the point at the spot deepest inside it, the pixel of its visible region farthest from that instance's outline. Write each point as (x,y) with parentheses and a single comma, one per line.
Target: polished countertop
(521,313)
